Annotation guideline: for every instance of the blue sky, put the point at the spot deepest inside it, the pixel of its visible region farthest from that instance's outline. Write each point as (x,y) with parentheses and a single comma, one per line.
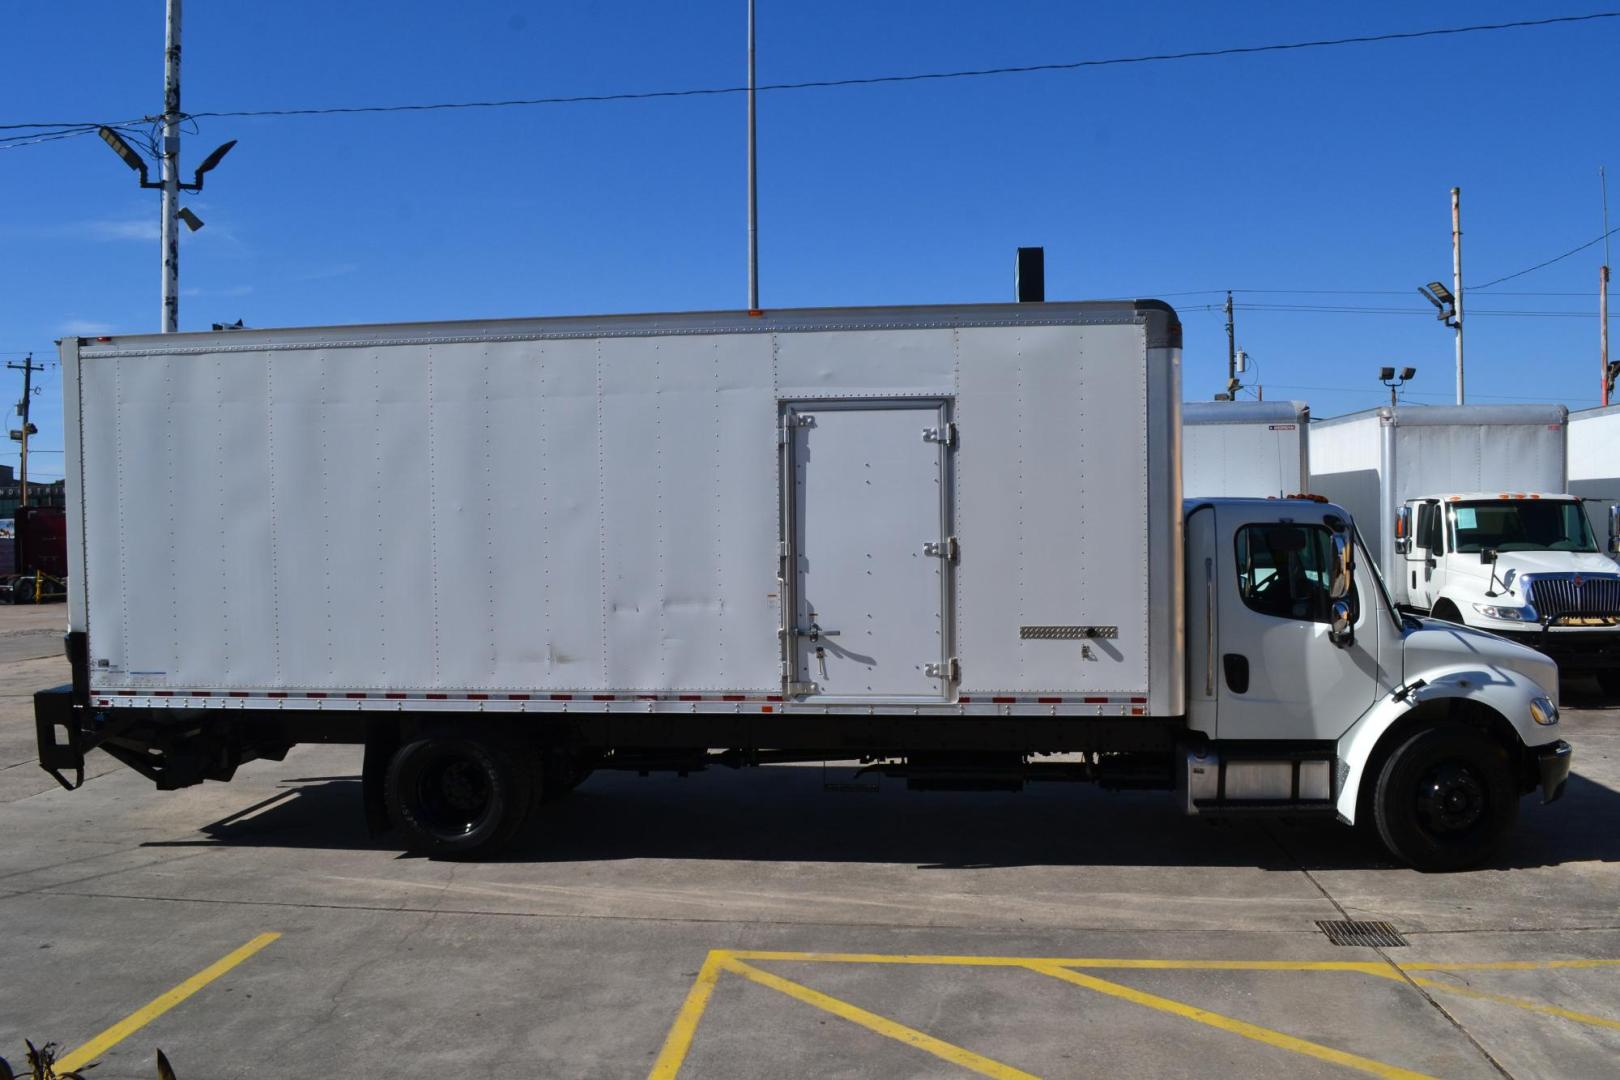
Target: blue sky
(1325,169)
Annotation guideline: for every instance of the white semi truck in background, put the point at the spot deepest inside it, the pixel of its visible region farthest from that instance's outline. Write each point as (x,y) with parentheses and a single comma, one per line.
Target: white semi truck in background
(1467,510)
(1253,449)
(949,542)
(1594,464)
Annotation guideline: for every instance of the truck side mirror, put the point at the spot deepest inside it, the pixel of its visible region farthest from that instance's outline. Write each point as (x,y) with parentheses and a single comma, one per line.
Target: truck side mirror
(1344,569)
(1340,631)
(1614,530)
(1487,555)
(1403,530)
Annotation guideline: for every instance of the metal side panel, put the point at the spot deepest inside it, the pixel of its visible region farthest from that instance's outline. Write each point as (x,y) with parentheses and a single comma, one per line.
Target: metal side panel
(73,469)
(868,500)
(1054,508)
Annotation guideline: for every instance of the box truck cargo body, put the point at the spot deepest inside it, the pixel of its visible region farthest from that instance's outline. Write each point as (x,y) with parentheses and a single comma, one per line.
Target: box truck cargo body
(1256,449)
(949,542)
(1594,464)
(1468,510)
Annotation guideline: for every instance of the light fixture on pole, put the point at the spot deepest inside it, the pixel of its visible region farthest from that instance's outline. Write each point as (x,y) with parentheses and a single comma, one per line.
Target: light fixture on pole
(1389,378)
(129,156)
(1437,294)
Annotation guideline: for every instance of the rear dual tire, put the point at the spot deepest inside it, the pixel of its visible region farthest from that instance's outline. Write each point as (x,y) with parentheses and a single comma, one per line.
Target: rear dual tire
(1445,799)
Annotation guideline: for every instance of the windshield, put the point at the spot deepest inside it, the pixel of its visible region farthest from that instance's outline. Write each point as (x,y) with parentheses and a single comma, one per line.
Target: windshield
(1521,525)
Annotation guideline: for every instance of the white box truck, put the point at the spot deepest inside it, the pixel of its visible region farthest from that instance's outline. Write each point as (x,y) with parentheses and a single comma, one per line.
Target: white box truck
(1594,466)
(1468,511)
(1251,449)
(949,542)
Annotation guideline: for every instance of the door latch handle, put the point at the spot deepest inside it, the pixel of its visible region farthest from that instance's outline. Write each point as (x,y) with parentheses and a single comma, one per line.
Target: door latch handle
(816,633)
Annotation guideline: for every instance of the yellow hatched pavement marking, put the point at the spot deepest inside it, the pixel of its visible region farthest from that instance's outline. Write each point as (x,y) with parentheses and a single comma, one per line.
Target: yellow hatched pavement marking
(679,1040)
(159,1005)
(956,1055)
(1229,1024)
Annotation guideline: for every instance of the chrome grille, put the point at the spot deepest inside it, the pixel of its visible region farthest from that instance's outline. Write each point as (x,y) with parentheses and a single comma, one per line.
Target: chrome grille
(1558,594)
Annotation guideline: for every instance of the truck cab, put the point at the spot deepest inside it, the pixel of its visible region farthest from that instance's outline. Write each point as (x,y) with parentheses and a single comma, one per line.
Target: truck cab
(1313,687)
(1524,565)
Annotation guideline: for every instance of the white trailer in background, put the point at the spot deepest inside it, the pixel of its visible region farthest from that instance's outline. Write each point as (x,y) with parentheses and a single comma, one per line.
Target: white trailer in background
(947,542)
(1594,463)
(1253,449)
(1468,511)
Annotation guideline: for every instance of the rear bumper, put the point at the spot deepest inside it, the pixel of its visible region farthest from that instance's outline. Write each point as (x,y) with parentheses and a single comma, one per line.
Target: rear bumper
(1552,763)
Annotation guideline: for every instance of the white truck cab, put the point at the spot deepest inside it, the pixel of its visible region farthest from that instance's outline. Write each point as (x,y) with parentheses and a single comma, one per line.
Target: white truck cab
(1431,728)
(1525,565)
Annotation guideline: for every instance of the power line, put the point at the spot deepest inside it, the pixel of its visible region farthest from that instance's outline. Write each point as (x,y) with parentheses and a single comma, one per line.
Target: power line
(874,80)
(1549,262)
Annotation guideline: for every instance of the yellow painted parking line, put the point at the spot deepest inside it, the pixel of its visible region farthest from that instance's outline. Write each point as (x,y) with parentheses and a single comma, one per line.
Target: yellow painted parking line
(1521,1003)
(956,1055)
(159,1005)
(679,1040)
(1143,964)
(1228,1024)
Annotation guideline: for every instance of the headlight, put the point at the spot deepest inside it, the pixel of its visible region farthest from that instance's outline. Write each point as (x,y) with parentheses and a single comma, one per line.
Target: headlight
(1511,614)
(1543,711)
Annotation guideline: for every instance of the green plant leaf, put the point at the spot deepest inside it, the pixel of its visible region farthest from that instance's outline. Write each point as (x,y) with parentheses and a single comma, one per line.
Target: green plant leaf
(5,1070)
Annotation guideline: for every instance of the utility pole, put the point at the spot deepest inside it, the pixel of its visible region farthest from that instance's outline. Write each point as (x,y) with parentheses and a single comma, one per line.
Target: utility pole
(171,170)
(1231,352)
(1456,281)
(753,178)
(1603,294)
(27,367)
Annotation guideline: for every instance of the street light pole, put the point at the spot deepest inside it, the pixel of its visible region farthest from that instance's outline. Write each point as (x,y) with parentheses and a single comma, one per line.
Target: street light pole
(171,170)
(1456,281)
(753,178)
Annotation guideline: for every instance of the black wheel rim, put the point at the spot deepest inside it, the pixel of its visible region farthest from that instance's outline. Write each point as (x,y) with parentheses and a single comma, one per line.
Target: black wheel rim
(454,795)
(1451,798)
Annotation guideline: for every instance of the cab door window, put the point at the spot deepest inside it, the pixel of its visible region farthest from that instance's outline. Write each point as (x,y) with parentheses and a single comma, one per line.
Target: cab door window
(1286,571)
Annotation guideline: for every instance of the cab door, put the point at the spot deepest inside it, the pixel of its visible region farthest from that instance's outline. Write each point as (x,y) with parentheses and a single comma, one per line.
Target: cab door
(1280,674)
(1422,561)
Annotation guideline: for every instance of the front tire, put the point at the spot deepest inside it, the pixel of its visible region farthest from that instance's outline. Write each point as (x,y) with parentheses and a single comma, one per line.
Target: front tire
(1445,799)
(458,797)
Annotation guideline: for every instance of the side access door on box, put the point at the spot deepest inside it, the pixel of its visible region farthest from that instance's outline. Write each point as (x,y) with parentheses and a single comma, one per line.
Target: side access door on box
(867,549)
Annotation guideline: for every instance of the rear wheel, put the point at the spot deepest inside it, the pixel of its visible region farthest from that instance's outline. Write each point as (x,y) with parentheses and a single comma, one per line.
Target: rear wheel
(455,796)
(1445,798)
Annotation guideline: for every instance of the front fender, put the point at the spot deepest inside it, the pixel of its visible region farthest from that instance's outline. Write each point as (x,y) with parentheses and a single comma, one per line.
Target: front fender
(1499,689)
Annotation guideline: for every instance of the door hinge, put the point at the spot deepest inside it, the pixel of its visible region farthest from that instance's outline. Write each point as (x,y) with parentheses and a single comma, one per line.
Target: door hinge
(950,671)
(802,419)
(945,434)
(941,549)
(797,688)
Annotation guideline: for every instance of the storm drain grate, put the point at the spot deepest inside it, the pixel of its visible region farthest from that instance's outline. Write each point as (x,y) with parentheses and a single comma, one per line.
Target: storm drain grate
(1356,932)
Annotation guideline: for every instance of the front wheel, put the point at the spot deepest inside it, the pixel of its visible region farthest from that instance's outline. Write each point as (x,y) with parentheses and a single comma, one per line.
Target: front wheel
(1445,799)
(458,796)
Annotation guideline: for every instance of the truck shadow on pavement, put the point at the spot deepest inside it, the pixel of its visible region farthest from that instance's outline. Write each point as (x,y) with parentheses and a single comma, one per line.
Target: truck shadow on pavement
(783,814)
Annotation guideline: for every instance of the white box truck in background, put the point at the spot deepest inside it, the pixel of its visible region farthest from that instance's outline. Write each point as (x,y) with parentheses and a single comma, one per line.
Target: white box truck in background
(1252,449)
(1467,510)
(1594,466)
(948,542)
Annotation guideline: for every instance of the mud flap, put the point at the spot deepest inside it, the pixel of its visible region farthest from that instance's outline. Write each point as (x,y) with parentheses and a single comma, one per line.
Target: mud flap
(382,741)
(60,737)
